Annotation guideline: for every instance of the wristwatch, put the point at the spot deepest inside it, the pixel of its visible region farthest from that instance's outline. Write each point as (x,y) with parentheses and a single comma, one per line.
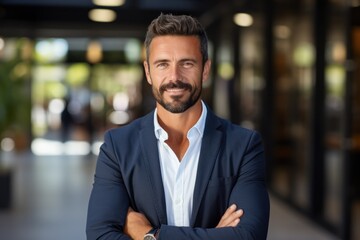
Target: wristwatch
(151,235)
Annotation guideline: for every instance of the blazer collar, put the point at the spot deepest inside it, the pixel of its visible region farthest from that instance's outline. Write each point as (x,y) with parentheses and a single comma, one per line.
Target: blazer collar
(148,143)
(209,152)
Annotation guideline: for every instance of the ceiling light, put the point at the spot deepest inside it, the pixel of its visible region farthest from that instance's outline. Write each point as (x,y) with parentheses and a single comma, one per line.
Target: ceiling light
(109,3)
(94,53)
(243,19)
(102,15)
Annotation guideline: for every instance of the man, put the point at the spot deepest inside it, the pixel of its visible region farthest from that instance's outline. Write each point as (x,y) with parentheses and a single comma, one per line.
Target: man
(179,172)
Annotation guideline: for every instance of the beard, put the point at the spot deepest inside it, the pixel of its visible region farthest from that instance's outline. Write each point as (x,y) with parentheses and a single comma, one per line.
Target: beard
(177,105)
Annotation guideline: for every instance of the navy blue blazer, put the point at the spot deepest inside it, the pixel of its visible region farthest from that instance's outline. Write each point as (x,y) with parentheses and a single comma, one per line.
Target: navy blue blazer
(231,170)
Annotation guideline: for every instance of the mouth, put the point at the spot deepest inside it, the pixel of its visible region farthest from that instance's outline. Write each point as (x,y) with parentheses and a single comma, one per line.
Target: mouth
(176,88)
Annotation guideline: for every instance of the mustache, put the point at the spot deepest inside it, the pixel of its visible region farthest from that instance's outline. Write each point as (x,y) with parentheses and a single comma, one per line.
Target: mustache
(178,84)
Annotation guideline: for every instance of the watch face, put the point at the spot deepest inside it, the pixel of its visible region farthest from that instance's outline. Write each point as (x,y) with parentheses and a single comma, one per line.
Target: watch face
(149,237)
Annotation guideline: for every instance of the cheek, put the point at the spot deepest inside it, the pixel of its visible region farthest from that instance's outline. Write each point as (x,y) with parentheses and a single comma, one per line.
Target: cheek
(153,82)
(157,78)
(161,74)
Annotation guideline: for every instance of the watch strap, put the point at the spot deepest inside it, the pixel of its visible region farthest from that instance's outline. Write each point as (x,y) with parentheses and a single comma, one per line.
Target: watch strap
(152,234)
(153,231)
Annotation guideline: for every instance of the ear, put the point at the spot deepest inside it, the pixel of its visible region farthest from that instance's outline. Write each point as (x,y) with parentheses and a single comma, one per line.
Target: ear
(206,71)
(147,72)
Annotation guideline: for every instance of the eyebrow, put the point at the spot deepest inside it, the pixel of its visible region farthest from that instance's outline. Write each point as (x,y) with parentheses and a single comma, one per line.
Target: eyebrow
(161,61)
(188,59)
(181,60)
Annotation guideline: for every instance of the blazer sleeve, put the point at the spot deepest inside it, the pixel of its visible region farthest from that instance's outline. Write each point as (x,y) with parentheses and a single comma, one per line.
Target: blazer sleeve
(109,201)
(249,193)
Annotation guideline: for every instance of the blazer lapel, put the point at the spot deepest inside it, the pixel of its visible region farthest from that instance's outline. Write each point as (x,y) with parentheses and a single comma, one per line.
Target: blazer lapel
(210,147)
(149,148)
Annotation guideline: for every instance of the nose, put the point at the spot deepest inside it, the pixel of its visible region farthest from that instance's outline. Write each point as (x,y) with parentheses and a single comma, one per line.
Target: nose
(175,72)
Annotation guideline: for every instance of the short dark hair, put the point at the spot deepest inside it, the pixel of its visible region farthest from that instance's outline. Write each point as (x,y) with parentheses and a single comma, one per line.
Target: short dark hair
(183,25)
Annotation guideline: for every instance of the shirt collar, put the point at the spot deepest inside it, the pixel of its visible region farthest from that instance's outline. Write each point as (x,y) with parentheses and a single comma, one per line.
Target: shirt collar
(161,134)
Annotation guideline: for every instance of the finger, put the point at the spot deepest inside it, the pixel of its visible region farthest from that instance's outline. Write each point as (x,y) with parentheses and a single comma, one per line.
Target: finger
(235,216)
(229,211)
(231,220)
(234,223)
(239,213)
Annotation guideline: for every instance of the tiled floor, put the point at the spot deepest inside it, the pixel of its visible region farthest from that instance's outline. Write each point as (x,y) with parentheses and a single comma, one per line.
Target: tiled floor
(50,202)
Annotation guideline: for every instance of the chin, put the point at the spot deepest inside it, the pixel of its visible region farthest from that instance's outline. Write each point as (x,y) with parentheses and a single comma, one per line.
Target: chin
(178,107)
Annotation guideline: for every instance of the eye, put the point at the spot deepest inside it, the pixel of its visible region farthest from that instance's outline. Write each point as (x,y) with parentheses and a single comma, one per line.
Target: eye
(162,65)
(188,64)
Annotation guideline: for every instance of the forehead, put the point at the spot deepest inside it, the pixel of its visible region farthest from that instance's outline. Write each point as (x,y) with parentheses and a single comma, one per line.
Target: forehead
(175,45)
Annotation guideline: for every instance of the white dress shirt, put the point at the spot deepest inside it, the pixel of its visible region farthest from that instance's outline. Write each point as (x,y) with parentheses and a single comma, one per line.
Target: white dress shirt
(179,176)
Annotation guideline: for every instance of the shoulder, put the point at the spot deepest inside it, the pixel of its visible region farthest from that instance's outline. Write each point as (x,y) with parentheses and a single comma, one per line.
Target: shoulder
(235,137)
(236,131)
(228,127)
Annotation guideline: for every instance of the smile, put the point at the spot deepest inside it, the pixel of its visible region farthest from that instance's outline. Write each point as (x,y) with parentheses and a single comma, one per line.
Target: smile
(177,87)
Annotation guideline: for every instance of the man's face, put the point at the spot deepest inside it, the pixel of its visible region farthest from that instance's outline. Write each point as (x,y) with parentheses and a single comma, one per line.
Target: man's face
(175,71)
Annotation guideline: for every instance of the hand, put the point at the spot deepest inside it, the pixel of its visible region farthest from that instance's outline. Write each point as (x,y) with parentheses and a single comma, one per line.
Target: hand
(136,225)
(231,217)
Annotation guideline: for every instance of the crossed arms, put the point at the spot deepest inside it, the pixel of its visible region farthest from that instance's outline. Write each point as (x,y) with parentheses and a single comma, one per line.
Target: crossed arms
(137,225)
(110,215)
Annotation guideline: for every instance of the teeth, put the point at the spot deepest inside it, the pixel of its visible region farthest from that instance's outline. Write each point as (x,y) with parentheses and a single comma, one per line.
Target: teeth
(175,91)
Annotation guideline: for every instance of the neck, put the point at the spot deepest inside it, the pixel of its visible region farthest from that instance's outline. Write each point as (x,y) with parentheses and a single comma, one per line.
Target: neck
(178,124)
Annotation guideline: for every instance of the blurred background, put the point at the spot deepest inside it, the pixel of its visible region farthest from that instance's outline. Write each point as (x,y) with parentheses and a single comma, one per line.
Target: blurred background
(70,70)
